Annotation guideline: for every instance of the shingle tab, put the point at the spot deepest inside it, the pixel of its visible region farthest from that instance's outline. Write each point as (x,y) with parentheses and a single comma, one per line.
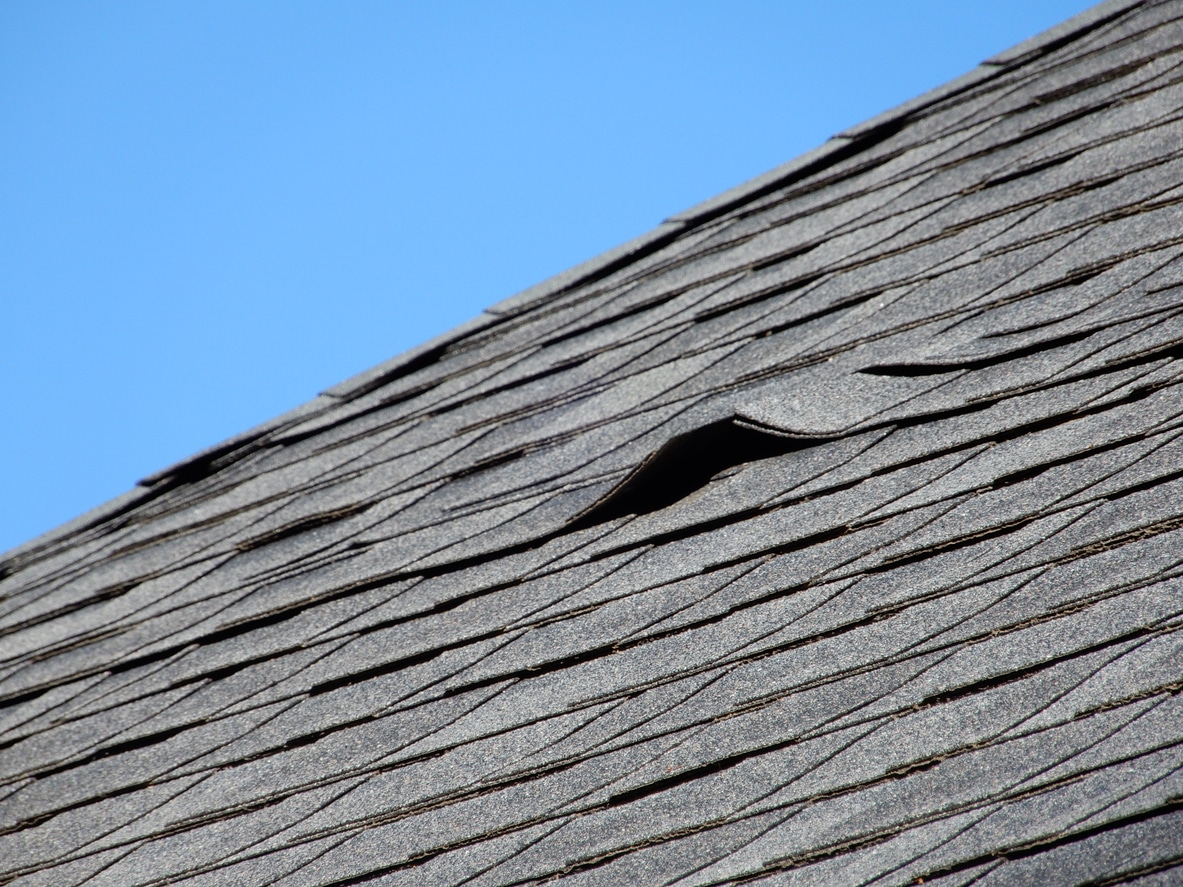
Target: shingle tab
(830,533)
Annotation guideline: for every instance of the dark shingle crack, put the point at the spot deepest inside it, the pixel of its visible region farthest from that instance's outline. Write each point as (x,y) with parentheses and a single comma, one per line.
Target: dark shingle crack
(829,534)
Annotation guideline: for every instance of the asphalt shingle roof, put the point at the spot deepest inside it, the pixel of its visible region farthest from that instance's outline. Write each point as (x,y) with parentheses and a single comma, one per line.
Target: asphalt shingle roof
(832,533)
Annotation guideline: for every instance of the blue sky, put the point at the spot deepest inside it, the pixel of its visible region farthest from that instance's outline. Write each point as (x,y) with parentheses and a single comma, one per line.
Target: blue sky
(211,211)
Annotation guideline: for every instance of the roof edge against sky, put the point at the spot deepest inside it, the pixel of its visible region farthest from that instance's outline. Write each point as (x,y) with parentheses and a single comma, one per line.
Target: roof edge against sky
(841,146)
(1064,32)
(831,151)
(840,540)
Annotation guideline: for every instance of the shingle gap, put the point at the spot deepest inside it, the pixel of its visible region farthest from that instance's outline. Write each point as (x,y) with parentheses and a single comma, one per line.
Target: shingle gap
(684,465)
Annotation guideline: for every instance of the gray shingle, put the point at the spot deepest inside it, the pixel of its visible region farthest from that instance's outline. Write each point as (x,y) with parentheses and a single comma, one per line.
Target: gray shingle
(829,533)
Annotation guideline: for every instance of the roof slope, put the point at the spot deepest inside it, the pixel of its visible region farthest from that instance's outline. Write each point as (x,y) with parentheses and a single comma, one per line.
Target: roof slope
(830,534)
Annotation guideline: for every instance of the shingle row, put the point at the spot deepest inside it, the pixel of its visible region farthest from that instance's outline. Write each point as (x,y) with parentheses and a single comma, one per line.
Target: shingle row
(831,534)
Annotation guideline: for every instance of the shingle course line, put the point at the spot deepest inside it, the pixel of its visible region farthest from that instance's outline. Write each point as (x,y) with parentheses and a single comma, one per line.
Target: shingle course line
(1011,569)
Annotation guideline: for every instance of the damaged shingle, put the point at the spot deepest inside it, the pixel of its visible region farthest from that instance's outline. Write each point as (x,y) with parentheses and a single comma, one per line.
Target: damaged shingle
(832,533)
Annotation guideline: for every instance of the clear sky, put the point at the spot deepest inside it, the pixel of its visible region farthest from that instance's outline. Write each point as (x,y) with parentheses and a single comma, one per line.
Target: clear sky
(210,211)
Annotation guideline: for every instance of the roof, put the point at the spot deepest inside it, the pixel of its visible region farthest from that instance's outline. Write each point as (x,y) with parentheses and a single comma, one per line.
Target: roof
(831,533)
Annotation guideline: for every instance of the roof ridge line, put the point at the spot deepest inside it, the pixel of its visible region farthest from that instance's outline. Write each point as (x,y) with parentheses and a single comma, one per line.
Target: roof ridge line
(839,147)
(1063,33)
(833,150)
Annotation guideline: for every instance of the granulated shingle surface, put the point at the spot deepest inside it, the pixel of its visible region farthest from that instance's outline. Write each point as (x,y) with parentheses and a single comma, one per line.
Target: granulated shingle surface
(832,533)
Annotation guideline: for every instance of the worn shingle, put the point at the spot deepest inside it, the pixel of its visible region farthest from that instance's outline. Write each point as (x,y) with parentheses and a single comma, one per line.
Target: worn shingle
(831,533)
